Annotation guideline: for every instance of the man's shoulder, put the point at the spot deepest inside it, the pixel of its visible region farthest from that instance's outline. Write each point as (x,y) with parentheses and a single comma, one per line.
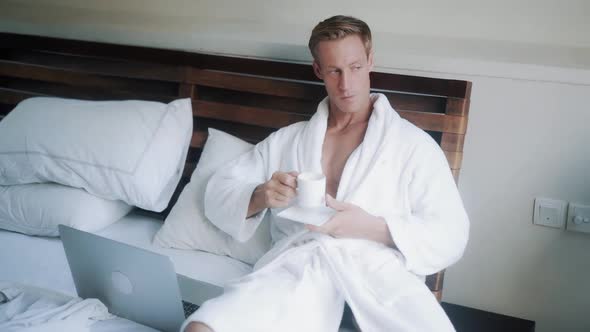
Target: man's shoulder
(288,132)
(414,135)
(413,143)
(294,127)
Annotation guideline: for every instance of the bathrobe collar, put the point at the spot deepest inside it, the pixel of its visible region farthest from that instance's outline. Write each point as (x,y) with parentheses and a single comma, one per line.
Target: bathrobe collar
(383,124)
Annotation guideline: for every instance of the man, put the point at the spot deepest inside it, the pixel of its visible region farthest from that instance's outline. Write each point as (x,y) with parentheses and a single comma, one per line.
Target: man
(399,216)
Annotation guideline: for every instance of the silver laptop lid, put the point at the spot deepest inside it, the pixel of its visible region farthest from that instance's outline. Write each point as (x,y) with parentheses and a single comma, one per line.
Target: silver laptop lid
(133,283)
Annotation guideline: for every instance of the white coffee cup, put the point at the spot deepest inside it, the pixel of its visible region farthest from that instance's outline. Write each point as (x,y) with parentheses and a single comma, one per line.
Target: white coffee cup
(311,189)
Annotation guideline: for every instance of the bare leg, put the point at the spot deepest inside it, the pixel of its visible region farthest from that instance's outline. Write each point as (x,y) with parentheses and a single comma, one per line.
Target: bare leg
(197,327)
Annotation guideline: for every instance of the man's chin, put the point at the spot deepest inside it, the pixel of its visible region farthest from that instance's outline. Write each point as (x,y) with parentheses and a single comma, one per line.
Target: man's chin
(348,107)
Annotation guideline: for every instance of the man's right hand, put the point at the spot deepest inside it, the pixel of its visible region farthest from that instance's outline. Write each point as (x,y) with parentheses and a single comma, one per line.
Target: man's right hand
(274,193)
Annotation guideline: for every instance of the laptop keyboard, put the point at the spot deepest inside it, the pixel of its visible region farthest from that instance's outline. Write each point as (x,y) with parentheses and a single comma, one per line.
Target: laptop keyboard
(189,308)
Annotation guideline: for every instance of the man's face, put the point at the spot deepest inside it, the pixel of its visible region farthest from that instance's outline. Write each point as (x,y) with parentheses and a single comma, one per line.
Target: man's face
(344,67)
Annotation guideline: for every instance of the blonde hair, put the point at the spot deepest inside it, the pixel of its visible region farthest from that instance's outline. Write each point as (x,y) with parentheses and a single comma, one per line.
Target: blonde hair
(338,27)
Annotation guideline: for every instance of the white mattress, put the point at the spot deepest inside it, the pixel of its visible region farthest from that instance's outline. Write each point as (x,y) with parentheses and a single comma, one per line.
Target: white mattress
(41,262)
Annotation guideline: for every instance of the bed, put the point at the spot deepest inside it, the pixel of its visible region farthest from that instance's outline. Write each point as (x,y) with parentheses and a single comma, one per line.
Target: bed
(41,262)
(248,98)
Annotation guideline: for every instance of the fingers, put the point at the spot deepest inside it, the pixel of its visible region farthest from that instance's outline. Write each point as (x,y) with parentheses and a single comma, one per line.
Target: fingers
(284,184)
(287,179)
(318,229)
(283,194)
(335,204)
(312,228)
(277,203)
(285,191)
(275,198)
(280,189)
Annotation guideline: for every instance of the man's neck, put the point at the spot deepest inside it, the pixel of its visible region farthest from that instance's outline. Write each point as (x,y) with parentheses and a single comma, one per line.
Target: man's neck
(339,120)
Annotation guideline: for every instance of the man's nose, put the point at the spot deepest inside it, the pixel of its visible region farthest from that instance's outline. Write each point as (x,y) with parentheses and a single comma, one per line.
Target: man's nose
(344,82)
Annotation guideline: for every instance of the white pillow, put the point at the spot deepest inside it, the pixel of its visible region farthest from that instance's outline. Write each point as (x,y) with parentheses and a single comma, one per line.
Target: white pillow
(120,150)
(37,209)
(186,227)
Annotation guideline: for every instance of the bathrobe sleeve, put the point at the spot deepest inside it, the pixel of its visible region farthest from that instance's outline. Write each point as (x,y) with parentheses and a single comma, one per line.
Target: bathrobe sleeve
(229,190)
(434,234)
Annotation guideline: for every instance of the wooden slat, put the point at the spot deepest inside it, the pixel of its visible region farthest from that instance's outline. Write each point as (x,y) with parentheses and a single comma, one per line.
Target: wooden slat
(435,281)
(284,104)
(196,92)
(91,49)
(420,85)
(5,108)
(417,103)
(94,65)
(188,170)
(438,295)
(194,154)
(452,142)
(436,135)
(79,92)
(260,85)
(244,114)
(436,122)
(198,139)
(186,90)
(454,159)
(13,97)
(65,76)
(308,106)
(455,173)
(457,106)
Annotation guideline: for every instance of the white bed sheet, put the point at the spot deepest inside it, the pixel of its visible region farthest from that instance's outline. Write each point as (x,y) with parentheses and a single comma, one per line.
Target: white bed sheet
(41,262)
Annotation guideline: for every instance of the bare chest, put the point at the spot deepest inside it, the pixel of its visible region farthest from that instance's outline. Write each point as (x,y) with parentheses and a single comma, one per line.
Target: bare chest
(336,150)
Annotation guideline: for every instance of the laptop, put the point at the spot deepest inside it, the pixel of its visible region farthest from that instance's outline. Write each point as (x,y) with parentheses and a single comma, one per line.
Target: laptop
(133,283)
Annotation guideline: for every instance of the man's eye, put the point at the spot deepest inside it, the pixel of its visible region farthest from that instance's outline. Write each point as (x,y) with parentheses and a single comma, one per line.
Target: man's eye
(356,67)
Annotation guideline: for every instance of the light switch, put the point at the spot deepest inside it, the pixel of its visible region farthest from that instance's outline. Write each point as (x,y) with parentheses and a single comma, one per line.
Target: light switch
(549,212)
(578,218)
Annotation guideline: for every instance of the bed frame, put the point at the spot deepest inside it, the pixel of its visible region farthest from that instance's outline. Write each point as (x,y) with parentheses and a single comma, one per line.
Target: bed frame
(246,97)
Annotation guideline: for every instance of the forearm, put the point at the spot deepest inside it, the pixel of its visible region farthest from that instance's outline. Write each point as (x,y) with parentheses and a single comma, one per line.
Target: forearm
(256,202)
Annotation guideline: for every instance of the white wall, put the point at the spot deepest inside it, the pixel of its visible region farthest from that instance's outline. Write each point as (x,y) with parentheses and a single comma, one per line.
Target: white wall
(525,139)
(529,62)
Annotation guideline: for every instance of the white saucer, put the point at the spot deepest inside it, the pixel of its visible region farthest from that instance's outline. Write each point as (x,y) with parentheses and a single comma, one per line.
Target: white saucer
(313,216)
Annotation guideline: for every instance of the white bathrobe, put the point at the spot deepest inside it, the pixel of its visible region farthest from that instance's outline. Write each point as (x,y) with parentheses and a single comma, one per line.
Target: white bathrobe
(399,173)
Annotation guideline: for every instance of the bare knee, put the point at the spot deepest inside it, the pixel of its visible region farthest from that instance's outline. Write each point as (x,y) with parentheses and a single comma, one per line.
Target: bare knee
(197,327)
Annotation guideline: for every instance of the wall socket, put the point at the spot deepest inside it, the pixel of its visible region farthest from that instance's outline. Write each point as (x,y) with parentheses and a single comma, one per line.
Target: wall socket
(550,212)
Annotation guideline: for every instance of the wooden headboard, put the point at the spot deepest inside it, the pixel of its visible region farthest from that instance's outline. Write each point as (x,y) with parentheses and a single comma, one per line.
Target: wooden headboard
(245,97)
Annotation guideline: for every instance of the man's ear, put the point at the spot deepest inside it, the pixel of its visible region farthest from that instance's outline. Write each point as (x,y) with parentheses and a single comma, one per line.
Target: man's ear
(370,63)
(317,70)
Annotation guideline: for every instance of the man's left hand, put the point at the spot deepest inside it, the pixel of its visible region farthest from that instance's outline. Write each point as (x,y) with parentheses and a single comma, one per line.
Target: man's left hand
(351,221)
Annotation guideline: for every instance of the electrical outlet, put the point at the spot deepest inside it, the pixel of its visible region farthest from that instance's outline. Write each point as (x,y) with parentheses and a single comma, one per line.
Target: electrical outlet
(549,212)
